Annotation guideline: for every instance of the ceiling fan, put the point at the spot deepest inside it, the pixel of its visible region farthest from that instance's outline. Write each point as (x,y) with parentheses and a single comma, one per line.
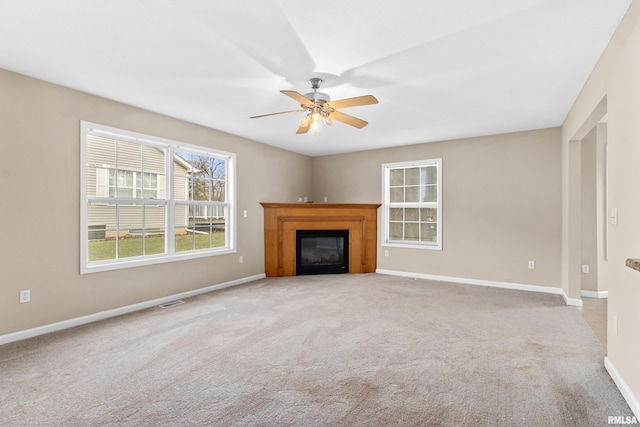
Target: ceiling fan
(319,107)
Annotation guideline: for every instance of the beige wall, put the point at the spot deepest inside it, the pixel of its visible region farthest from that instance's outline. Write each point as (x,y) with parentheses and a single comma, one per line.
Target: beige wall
(614,89)
(588,202)
(40,215)
(501,204)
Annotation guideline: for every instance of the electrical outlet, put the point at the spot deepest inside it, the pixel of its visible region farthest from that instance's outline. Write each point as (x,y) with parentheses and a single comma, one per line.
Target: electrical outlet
(585,268)
(386,253)
(25,296)
(532,264)
(244,213)
(241,259)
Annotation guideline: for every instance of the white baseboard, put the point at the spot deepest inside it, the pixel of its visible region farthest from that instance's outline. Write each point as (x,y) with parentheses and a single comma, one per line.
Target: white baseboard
(65,324)
(505,285)
(628,395)
(594,294)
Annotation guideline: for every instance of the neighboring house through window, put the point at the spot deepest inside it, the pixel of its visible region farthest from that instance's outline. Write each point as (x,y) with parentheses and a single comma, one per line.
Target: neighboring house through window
(412,204)
(148,200)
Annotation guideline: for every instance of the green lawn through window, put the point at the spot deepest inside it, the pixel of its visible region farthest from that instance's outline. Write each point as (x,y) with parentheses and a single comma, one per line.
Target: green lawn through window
(106,249)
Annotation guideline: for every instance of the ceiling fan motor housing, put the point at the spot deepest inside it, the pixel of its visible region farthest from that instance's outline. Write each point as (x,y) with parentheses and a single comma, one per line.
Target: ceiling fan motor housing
(317,96)
(315,83)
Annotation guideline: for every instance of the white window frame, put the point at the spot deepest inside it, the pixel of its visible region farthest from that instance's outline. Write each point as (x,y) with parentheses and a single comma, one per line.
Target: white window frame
(386,205)
(170,255)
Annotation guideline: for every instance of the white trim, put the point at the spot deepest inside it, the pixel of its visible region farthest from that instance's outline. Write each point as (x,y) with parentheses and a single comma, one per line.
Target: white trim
(594,294)
(626,392)
(490,283)
(65,324)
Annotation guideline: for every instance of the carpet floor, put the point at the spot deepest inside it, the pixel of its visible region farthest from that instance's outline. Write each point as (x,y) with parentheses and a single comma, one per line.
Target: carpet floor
(330,350)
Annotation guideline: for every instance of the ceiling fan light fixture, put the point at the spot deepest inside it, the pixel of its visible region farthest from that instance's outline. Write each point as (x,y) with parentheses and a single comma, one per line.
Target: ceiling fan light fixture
(317,107)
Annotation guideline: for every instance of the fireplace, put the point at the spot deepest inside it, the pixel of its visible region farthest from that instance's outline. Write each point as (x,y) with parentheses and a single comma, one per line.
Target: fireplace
(282,220)
(322,252)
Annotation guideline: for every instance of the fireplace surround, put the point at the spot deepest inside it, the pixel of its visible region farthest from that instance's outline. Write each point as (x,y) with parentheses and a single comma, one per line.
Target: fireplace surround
(283,220)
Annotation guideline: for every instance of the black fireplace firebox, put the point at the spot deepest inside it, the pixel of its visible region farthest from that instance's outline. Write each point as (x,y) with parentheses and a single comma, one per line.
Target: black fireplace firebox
(322,252)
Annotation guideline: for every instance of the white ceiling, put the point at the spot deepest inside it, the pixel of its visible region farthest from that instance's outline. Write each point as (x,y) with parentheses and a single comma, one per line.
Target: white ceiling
(441,69)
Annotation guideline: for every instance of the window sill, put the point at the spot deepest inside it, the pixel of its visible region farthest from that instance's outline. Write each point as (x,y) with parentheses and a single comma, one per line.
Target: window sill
(137,262)
(436,247)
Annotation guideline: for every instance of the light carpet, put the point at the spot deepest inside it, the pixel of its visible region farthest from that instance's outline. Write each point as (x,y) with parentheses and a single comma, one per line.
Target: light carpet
(330,350)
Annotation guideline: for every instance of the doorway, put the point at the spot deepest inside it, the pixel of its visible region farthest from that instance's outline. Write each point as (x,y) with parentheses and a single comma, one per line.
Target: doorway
(588,220)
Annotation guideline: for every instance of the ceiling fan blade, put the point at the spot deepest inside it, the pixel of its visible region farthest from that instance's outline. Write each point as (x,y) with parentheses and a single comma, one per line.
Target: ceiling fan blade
(304,129)
(297,96)
(347,119)
(353,102)
(275,114)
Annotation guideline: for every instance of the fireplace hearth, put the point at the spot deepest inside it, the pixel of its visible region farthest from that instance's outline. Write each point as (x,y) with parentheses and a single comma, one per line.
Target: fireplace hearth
(322,252)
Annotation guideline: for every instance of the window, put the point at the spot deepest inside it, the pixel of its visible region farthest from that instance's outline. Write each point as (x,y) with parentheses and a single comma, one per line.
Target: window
(147,200)
(412,204)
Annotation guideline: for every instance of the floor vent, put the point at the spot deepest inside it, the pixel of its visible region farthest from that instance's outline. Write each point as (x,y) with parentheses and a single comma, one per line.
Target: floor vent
(171,304)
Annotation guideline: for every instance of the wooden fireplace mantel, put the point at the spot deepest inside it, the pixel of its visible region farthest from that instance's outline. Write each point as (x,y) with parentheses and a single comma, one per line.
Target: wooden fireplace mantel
(282,220)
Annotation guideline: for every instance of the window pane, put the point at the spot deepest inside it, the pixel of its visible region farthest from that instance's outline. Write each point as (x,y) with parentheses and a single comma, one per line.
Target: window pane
(202,239)
(101,220)
(219,190)
(180,184)
(130,245)
(205,227)
(129,155)
(396,195)
(430,175)
(154,229)
(429,193)
(153,160)
(149,194)
(219,232)
(428,214)
(184,240)
(150,181)
(121,184)
(396,231)
(412,176)
(429,232)
(154,241)
(199,189)
(189,233)
(412,214)
(130,227)
(207,177)
(396,214)
(126,193)
(411,231)
(396,177)
(412,194)
(101,250)
(100,153)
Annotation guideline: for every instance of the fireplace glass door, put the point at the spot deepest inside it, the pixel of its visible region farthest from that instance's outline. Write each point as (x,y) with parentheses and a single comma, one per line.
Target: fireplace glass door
(322,251)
